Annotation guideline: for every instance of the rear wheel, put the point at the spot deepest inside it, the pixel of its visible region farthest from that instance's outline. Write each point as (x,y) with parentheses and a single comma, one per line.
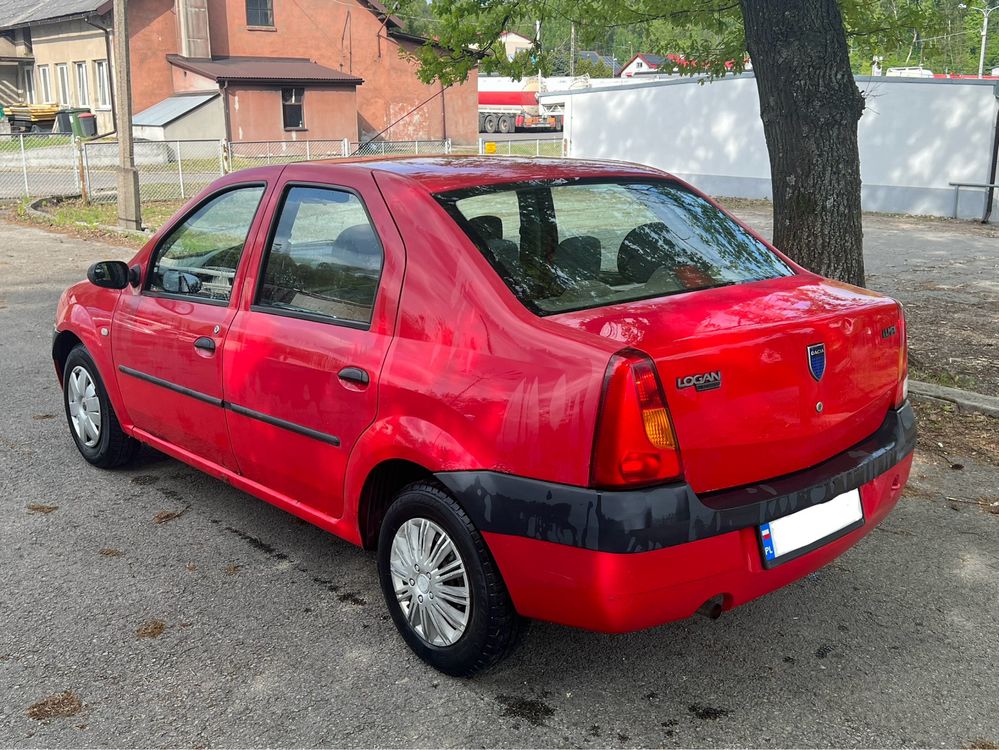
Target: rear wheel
(489,123)
(92,421)
(506,124)
(441,585)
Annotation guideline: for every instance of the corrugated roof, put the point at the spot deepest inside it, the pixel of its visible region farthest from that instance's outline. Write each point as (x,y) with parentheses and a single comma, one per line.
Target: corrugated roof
(164,112)
(263,70)
(20,12)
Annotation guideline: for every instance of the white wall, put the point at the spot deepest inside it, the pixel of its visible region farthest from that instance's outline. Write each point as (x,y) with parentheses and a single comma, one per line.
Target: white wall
(916,135)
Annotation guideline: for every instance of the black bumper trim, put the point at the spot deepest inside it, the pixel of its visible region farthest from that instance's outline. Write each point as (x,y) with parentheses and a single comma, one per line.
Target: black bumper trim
(650,518)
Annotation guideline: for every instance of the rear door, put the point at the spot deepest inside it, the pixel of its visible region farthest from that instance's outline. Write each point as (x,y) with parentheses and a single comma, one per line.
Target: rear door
(168,334)
(302,360)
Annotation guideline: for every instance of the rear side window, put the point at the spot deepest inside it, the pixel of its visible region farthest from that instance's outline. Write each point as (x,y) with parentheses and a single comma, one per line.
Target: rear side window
(199,257)
(325,259)
(583,245)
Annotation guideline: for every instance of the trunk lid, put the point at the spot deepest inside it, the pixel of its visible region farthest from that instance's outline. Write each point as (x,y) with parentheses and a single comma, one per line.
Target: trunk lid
(736,367)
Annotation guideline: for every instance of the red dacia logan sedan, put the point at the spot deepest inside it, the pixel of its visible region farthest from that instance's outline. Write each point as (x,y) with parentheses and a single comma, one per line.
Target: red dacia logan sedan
(573,391)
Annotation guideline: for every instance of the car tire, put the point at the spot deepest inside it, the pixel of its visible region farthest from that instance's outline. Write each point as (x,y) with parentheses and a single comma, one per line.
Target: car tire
(92,422)
(491,626)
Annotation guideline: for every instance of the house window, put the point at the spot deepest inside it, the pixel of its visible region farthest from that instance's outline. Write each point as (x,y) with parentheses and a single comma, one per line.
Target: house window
(82,85)
(62,73)
(103,84)
(45,79)
(259,12)
(29,86)
(292,110)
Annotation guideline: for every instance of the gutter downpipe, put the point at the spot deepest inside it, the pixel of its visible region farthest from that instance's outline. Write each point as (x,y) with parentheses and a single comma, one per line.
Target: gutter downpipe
(107,52)
(225,111)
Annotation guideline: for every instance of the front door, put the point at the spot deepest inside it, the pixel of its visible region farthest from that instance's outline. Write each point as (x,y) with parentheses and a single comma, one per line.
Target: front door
(168,335)
(302,362)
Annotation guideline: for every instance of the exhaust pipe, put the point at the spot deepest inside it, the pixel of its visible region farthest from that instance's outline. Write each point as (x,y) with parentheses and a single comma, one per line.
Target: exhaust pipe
(712,608)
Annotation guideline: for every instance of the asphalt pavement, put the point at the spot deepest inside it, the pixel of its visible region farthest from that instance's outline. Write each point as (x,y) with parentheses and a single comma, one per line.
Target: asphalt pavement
(155,606)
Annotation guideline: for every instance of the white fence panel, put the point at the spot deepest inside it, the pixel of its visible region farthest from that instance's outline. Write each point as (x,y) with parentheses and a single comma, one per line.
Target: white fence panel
(916,136)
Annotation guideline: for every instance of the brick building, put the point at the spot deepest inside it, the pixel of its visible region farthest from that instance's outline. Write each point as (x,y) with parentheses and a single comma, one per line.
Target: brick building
(281,69)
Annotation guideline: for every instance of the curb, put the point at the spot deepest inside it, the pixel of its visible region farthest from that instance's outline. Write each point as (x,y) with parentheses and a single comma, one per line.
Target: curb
(967,400)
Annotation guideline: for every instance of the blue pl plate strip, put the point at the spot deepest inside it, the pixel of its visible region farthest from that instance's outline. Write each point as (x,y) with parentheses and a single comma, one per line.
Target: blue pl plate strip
(768,542)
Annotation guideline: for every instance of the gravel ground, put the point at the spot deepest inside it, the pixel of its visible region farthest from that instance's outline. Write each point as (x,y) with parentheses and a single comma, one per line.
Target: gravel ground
(158,607)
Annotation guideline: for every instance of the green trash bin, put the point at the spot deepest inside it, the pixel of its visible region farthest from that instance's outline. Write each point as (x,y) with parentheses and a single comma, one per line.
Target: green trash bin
(68,121)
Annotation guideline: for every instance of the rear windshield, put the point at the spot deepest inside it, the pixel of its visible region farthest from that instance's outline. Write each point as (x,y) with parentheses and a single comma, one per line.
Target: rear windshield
(573,246)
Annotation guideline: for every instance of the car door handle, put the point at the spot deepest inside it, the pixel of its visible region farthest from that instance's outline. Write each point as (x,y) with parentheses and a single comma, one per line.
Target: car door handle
(354,375)
(205,344)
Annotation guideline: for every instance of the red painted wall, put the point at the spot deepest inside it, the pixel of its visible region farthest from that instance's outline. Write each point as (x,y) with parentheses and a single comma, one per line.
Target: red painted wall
(255,114)
(349,37)
(340,35)
(152,31)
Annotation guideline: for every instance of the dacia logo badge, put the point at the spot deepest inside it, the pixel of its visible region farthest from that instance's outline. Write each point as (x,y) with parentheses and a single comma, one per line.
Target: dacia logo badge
(817,360)
(706,381)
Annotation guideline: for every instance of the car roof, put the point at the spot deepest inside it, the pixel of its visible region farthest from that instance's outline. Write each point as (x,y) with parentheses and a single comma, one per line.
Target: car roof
(446,173)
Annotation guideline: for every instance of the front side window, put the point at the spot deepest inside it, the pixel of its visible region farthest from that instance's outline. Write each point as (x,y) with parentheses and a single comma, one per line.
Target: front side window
(584,245)
(325,258)
(259,12)
(200,255)
(62,71)
(82,85)
(292,110)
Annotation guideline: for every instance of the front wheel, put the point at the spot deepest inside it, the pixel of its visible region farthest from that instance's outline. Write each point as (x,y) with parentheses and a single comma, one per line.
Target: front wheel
(92,421)
(441,585)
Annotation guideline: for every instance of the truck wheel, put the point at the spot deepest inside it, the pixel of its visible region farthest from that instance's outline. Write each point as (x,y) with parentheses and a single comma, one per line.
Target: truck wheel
(92,421)
(489,123)
(441,585)
(482,126)
(506,124)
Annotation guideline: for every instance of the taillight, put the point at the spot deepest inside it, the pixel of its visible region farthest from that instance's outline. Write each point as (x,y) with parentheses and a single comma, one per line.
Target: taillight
(635,443)
(902,389)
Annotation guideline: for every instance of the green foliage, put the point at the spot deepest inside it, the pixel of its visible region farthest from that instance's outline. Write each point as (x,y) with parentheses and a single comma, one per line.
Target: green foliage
(593,69)
(709,33)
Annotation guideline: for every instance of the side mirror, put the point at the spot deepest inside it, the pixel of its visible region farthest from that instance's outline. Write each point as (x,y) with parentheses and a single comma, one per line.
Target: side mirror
(179,282)
(109,274)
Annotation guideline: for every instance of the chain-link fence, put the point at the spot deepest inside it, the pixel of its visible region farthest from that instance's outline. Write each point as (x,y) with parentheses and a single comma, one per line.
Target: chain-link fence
(46,165)
(401,148)
(39,164)
(524,147)
(168,170)
(246,154)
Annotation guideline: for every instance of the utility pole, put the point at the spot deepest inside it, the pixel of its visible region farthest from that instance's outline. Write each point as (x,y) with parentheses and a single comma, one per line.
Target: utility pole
(986,10)
(572,50)
(129,216)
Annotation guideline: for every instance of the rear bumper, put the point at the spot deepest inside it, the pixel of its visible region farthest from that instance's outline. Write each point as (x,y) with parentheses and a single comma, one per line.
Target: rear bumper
(621,561)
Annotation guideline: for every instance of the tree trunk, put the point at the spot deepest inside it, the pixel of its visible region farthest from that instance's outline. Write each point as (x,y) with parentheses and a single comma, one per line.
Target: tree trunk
(810,106)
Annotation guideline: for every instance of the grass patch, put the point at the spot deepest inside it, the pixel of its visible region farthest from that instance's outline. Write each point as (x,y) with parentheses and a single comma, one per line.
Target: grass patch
(97,213)
(944,378)
(12,144)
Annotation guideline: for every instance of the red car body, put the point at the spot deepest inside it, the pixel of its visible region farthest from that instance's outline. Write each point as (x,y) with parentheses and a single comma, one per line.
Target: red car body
(502,405)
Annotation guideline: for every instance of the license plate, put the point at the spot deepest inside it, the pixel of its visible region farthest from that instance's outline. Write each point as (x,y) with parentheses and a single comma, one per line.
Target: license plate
(801,532)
